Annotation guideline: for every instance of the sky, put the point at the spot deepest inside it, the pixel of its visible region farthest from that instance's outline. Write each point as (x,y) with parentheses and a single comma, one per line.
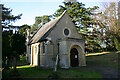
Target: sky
(32,8)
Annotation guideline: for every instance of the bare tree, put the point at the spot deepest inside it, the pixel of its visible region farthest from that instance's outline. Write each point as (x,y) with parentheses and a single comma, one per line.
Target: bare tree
(110,19)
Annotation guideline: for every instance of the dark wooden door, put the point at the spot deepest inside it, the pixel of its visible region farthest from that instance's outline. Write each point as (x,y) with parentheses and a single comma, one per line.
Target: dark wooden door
(74,57)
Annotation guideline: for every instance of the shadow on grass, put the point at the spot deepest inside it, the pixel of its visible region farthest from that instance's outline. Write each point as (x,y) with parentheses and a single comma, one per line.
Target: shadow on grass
(26,72)
(94,63)
(103,59)
(39,73)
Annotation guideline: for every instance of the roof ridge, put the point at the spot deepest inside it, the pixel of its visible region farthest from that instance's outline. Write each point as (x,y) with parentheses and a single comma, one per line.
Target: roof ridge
(42,26)
(45,29)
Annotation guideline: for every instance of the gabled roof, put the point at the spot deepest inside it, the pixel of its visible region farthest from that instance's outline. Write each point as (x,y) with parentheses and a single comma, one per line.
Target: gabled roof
(42,33)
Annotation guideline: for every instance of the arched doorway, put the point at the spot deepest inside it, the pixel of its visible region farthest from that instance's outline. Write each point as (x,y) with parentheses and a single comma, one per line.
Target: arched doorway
(74,57)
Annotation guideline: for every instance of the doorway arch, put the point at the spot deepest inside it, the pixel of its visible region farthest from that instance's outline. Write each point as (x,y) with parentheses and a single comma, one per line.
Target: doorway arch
(74,57)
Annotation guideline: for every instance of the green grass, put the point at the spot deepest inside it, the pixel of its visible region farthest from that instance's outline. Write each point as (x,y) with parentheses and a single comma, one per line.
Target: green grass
(33,72)
(90,71)
(109,59)
(25,66)
(77,73)
(6,73)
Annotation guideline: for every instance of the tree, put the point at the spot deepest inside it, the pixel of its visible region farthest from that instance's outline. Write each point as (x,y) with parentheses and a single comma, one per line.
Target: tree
(8,38)
(109,21)
(23,29)
(7,16)
(39,21)
(13,45)
(82,19)
(117,44)
(6,51)
(18,47)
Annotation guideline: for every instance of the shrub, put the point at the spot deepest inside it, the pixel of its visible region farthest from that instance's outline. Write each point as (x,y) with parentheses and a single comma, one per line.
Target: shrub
(117,44)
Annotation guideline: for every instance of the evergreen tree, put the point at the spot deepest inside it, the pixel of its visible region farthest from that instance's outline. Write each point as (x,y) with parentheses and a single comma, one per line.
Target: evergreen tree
(83,21)
(12,44)
(39,21)
(7,16)
(17,42)
(23,29)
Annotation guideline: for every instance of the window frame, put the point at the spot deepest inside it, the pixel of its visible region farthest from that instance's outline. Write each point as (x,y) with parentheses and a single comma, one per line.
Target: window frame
(68,30)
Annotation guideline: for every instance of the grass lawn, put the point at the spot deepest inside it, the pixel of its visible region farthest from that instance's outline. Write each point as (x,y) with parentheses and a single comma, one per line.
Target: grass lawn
(77,73)
(93,69)
(104,59)
(33,72)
